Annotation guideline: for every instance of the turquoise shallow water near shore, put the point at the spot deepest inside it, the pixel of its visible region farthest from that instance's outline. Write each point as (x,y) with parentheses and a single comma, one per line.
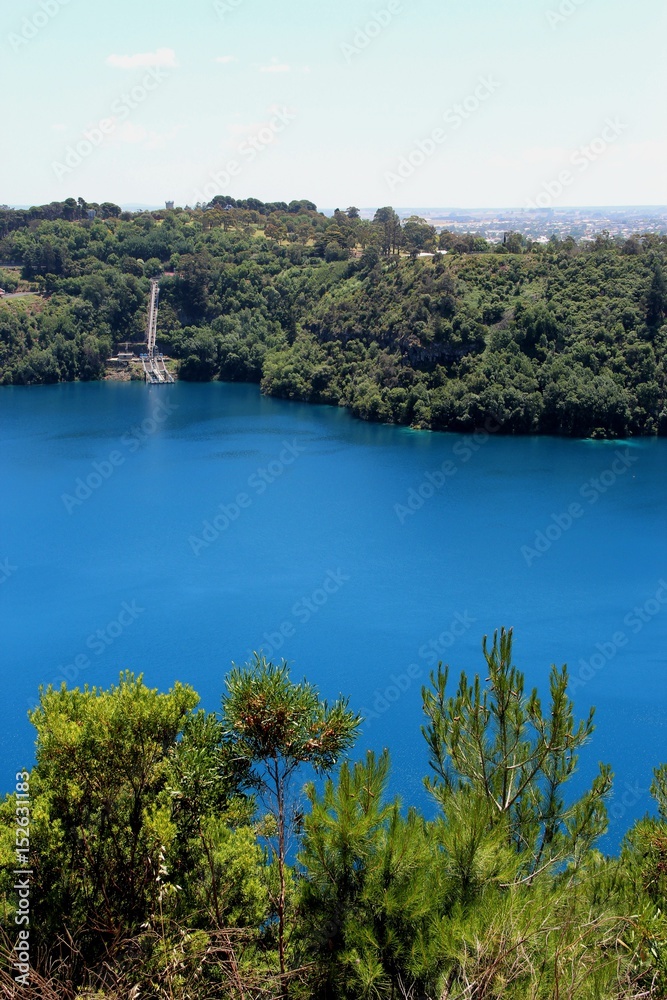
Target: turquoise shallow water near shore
(171,530)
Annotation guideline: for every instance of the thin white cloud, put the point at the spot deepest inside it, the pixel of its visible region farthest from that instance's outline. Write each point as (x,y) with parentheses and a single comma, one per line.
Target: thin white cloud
(158,140)
(161,57)
(226,59)
(131,132)
(239,131)
(529,156)
(134,134)
(650,151)
(275,67)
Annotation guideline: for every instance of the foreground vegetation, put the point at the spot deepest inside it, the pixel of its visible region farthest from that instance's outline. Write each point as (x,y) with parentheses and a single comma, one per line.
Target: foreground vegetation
(527,338)
(174,853)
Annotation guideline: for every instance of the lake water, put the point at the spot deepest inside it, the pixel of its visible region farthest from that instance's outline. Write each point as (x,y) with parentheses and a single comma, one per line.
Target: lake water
(171,530)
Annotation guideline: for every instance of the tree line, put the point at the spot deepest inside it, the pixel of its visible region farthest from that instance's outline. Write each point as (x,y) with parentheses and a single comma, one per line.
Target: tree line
(178,853)
(384,316)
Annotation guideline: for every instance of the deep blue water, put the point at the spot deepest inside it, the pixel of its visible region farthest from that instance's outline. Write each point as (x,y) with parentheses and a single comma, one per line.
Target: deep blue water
(315,540)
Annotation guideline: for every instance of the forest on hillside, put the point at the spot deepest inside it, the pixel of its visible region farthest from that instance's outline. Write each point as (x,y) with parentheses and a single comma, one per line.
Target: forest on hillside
(386,317)
(255,853)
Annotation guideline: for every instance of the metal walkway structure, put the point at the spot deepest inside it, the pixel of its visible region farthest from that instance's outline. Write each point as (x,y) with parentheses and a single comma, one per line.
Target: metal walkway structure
(155,370)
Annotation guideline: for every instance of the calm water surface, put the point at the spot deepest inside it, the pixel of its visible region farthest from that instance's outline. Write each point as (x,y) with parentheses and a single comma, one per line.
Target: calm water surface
(172,530)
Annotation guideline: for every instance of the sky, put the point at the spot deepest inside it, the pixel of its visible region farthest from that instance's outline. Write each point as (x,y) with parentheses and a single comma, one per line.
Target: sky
(458,103)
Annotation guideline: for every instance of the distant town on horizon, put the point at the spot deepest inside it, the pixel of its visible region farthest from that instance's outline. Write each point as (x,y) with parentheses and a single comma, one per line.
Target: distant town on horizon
(492,223)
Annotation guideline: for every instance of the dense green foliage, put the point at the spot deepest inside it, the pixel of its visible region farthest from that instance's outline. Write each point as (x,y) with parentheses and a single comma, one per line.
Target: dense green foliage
(160,868)
(276,727)
(518,337)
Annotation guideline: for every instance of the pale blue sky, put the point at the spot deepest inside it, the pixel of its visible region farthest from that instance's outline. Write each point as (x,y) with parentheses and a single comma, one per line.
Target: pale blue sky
(352,115)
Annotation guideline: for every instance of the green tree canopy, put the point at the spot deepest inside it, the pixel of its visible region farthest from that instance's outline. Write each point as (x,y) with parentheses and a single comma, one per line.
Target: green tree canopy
(497,742)
(278,726)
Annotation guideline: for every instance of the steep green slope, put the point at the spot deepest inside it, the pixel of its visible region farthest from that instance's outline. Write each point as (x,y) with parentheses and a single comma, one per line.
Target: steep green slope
(557,338)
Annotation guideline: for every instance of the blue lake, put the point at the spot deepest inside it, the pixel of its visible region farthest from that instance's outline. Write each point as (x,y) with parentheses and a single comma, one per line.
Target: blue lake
(172,530)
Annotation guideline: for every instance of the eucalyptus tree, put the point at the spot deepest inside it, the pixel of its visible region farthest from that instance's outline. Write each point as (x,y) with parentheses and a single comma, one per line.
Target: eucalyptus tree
(656,301)
(387,221)
(100,816)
